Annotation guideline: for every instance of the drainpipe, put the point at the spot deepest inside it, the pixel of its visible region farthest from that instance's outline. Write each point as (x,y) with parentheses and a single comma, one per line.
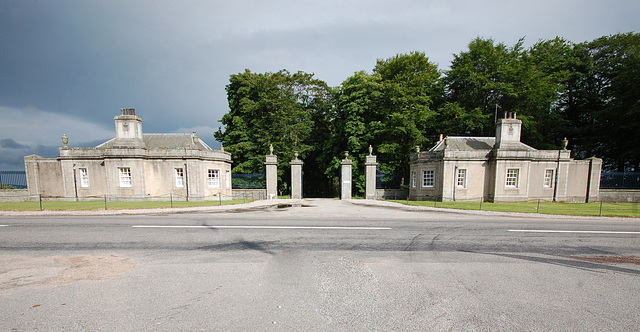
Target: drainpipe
(186,179)
(555,185)
(589,179)
(75,182)
(455,173)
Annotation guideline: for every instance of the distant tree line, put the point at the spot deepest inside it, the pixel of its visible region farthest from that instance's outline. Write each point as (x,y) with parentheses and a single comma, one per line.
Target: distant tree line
(587,92)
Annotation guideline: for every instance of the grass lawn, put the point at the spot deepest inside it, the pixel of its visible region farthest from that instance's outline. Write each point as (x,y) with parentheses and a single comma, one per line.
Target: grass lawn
(99,205)
(576,209)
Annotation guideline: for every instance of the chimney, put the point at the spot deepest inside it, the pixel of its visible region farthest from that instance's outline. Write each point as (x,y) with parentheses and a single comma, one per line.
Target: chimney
(508,131)
(128,129)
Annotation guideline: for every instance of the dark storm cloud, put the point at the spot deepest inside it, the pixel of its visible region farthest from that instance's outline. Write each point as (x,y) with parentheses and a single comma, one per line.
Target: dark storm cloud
(11,144)
(69,66)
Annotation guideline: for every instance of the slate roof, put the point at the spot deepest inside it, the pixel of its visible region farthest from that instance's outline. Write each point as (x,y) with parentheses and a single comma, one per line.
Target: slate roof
(164,141)
(458,143)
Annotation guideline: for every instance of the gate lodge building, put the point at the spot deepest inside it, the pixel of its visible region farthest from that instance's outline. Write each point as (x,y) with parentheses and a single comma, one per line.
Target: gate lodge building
(501,169)
(133,166)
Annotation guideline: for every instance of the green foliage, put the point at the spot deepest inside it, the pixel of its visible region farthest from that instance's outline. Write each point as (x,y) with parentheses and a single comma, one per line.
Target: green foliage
(587,92)
(390,109)
(491,78)
(280,109)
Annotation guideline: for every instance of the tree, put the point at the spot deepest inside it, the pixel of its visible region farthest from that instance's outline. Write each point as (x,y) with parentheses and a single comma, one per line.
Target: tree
(276,109)
(490,76)
(606,99)
(389,109)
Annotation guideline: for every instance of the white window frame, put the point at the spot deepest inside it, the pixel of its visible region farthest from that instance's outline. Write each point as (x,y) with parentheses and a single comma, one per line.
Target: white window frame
(178,175)
(227,178)
(84,177)
(512,181)
(548,177)
(213,178)
(461,178)
(414,179)
(125,177)
(428,178)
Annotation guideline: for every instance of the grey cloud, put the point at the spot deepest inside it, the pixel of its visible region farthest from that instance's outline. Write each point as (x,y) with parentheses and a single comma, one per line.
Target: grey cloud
(11,144)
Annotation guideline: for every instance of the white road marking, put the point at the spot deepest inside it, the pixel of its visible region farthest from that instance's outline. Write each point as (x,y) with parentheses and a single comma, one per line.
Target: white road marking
(4,225)
(268,227)
(577,232)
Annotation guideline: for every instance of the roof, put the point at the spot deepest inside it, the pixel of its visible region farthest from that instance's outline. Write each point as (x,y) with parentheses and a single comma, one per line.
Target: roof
(164,141)
(458,143)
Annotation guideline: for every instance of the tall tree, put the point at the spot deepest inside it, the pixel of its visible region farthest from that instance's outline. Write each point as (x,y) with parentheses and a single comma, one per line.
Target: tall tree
(610,97)
(390,109)
(491,78)
(276,109)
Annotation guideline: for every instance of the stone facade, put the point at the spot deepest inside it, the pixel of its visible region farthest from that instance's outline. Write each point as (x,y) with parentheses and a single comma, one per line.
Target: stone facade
(133,166)
(501,169)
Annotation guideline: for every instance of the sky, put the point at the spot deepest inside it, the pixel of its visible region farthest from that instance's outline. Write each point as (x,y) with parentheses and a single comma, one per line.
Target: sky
(69,66)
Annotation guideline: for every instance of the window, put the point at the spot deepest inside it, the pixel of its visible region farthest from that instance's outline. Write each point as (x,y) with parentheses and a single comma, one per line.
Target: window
(125,176)
(213,178)
(84,177)
(548,178)
(512,177)
(227,179)
(413,179)
(179,175)
(428,178)
(461,178)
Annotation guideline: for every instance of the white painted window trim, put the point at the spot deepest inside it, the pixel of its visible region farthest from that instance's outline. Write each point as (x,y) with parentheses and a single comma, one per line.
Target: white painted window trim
(84,177)
(424,179)
(178,175)
(550,179)
(464,173)
(414,179)
(227,178)
(213,181)
(517,178)
(125,177)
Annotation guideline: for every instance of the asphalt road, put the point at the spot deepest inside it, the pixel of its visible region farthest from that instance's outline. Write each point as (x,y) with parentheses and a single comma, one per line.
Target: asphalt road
(326,265)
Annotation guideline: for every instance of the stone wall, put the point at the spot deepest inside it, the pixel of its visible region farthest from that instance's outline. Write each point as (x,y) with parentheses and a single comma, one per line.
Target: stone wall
(250,194)
(620,195)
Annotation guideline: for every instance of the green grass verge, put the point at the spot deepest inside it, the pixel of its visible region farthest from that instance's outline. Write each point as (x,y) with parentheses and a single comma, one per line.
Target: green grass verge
(575,209)
(99,205)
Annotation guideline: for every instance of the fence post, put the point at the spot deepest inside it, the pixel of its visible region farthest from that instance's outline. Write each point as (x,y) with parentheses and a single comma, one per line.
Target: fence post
(600,215)
(40,198)
(171,198)
(538,208)
(481,199)
(220,198)
(244,197)
(105,201)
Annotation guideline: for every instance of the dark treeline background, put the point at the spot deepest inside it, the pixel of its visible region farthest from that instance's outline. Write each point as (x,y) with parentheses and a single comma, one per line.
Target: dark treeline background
(588,92)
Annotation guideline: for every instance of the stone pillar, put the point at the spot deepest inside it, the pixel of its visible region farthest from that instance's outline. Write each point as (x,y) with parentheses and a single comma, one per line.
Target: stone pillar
(296,177)
(271,165)
(370,175)
(345,177)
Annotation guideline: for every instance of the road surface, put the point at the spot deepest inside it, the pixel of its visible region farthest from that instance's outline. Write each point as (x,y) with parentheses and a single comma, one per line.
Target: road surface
(322,265)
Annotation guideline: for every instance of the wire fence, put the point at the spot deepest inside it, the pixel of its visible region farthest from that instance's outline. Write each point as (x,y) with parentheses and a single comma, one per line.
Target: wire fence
(543,206)
(389,181)
(106,202)
(620,180)
(13,179)
(248,181)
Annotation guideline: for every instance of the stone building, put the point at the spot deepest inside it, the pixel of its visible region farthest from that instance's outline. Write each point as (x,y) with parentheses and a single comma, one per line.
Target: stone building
(501,169)
(133,166)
